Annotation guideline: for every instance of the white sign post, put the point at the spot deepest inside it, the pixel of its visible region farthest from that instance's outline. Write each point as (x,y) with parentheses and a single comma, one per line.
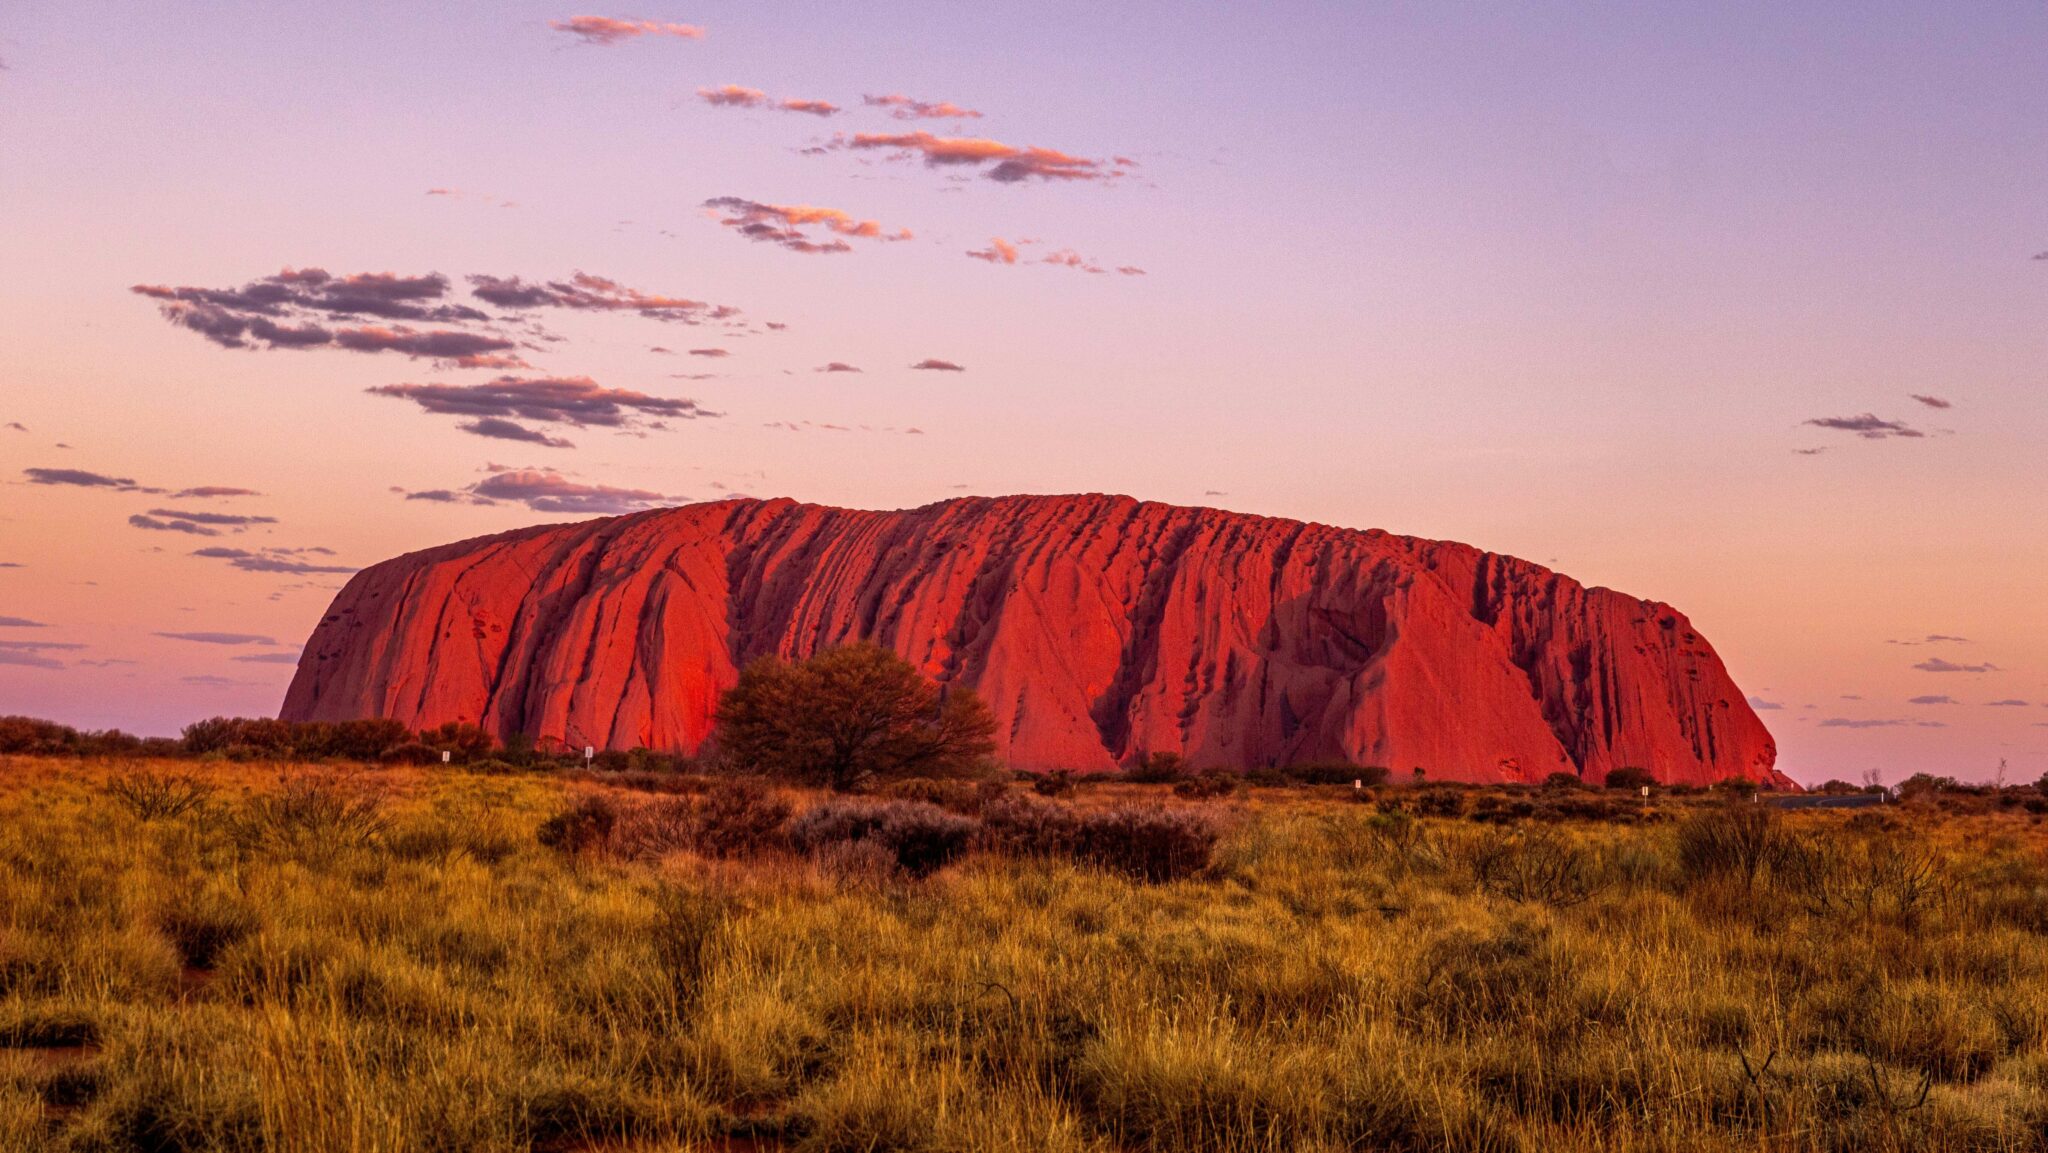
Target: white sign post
(446,756)
(589,751)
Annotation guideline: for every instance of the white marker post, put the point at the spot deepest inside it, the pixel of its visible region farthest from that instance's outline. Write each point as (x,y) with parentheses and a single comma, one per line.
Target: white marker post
(589,751)
(446,756)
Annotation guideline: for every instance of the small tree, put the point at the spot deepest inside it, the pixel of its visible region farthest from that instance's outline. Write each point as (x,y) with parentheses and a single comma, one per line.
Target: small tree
(1630,777)
(848,715)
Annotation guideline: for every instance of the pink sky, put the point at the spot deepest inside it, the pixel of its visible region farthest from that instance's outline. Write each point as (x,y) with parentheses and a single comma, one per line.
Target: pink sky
(1585,285)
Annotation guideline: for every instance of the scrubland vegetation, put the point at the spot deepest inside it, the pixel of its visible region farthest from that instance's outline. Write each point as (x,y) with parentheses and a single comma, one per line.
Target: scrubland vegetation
(283,956)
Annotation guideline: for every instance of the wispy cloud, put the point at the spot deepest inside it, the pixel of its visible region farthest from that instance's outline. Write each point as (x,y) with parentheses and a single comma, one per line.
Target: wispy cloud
(572,400)
(184,526)
(1933,401)
(268,659)
(545,490)
(1001,251)
(1861,723)
(221,638)
(2008,703)
(903,107)
(211,491)
(21,623)
(584,292)
(933,364)
(80,478)
(835,366)
(787,225)
(1933,699)
(735,96)
(1868,426)
(606,31)
(275,560)
(1938,665)
(1757,703)
(498,428)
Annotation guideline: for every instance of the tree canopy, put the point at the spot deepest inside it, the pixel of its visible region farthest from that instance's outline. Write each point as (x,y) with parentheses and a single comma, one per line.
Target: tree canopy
(847,715)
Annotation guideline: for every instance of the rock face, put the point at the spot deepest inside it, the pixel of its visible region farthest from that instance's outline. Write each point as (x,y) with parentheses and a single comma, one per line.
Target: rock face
(1099,629)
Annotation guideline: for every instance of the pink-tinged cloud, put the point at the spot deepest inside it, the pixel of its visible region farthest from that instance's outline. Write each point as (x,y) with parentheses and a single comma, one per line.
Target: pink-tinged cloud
(1933,401)
(605,31)
(1130,270)
(736,96)
(904,108)
(786,224)
(433,344)
(209,491)
(586,293)
(999,251)
(932,364)
(1011,164)
(732,96)
(545,490)
(713,353)
(836,366)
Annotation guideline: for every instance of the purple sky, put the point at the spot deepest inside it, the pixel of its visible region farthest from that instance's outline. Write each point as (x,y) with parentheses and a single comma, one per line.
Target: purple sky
(1586,284)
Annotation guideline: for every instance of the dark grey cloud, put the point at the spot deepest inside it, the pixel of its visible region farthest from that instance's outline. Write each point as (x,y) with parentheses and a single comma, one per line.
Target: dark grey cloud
(1933,401)
(217,519)
(274,560)
(80,478)
(1937,665)
(208,638)
(574,400)
(311,308)
(268,659)
(1859,723)
(22,658)
(583,292)
(498,428)
(210,491)
(21,623)
(1868,426)
(2008,703)
(1933,699)
(545,490)
(1757,703)
(184,526)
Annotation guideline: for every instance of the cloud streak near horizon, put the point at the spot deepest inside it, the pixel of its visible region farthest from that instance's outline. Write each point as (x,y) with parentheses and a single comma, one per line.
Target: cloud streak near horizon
(607,31)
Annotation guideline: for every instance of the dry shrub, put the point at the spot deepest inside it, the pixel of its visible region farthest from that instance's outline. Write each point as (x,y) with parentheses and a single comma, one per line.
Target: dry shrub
(1440,801)
(1057,783)
(1026,826)
(1739,839)
(922,838)
(584,827)
(316,812)
(1538,864)
(652,829)
(1472,979)
(1209,785)
(1151,843)
(203,925)
(739,818)
(153,796)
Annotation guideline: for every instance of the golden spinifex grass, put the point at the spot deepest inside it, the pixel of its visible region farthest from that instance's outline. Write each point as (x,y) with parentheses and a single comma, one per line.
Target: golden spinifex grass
(314,959)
